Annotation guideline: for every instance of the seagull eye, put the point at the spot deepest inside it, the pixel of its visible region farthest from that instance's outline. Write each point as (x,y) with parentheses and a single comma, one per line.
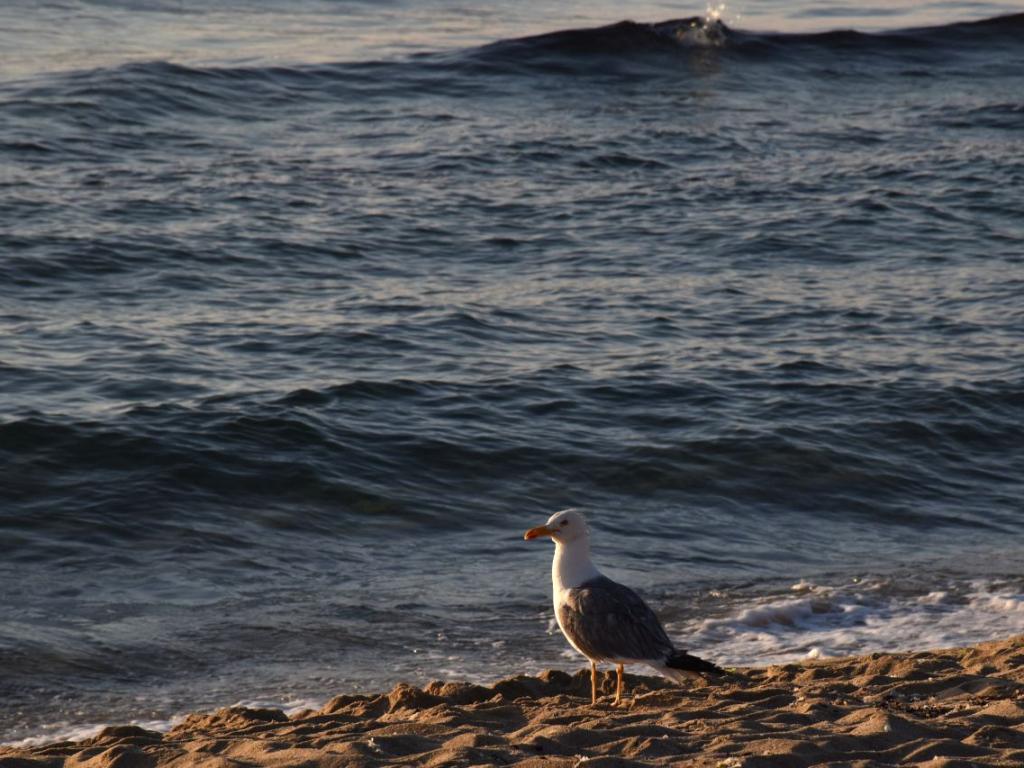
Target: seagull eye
(565,522)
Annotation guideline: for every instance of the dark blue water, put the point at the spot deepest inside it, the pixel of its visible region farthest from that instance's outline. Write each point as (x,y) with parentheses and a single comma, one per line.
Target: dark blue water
(292,351)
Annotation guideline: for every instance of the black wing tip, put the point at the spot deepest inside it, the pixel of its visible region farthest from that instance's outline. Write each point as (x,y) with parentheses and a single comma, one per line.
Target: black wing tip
(684,661)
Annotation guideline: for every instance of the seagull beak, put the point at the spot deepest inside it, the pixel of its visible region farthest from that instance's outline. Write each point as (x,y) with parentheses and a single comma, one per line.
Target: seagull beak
(536,533)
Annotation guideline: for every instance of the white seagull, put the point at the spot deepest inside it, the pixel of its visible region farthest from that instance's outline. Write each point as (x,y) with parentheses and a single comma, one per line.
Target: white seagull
(601,619)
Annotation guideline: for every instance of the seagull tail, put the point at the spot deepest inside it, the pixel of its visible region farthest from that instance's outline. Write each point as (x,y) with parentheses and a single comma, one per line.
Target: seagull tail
(680,665)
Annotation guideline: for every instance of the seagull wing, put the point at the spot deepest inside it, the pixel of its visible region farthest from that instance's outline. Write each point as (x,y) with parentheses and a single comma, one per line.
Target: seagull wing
(608,621)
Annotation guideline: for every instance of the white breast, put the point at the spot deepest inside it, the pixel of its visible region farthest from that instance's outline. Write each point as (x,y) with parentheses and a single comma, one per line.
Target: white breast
(570,568)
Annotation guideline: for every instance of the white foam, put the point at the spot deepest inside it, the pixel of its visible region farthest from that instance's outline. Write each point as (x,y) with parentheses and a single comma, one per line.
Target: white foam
(63,731)
(57,732)
(706,35)
(856,618)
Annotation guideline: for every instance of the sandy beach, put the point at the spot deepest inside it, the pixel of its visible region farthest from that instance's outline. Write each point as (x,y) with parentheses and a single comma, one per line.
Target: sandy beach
(956,707)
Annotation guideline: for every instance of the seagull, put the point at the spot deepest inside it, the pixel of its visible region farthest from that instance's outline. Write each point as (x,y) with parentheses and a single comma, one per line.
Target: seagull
(604,620)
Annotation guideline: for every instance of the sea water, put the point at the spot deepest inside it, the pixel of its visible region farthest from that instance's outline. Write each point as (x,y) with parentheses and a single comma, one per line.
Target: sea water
(309,309)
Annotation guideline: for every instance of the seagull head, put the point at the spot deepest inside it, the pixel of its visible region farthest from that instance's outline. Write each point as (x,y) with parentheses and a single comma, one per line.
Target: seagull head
(563,527)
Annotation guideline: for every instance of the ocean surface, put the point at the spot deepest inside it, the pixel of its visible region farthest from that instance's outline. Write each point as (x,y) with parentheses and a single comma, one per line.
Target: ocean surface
(309,309)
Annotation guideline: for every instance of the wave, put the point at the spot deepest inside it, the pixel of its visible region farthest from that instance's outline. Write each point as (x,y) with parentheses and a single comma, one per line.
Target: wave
(138,94)
(421,454)
(861,616)
(682,37)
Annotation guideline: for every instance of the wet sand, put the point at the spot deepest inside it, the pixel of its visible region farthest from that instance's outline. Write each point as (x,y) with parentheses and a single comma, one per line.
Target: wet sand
(958,707)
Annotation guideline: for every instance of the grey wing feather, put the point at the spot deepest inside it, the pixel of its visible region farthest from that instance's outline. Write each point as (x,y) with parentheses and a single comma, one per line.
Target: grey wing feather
(608,621)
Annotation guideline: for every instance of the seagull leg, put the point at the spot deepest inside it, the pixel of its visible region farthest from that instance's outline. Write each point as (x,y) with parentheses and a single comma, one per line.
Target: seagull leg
(618,686)
(593,682)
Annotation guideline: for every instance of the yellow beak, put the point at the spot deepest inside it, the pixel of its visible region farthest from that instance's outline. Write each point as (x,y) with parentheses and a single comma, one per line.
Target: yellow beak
(540,530)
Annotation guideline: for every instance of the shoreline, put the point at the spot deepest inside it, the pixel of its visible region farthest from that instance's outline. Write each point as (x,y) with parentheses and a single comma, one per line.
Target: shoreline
(948,708)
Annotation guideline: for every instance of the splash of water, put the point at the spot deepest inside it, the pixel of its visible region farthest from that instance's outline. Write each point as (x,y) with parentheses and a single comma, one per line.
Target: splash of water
(719,14)
(708,32)
(714,13)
